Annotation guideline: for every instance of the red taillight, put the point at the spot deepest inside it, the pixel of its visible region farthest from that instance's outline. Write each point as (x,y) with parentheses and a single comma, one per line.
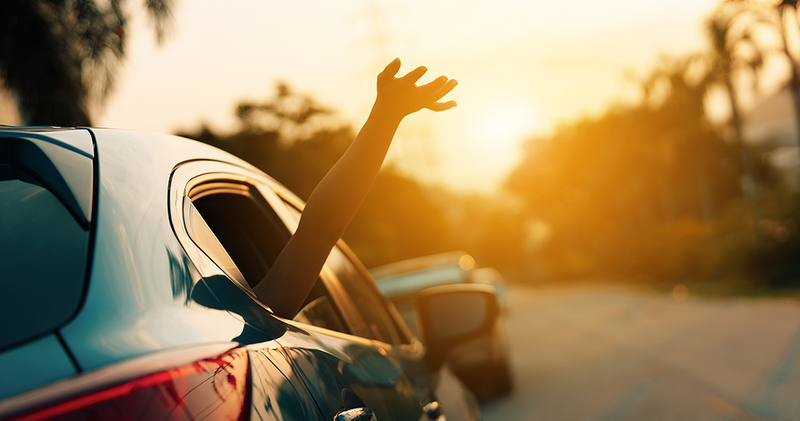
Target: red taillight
(210,389)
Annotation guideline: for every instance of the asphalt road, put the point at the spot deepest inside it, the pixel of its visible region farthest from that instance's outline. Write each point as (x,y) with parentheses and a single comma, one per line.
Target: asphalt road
(614,353)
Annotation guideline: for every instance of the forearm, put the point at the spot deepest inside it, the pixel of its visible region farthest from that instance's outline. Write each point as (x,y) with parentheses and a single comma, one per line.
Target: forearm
(336,199)
(329,209)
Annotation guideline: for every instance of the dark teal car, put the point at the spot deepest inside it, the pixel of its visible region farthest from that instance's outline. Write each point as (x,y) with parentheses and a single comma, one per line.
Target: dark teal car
(127,267)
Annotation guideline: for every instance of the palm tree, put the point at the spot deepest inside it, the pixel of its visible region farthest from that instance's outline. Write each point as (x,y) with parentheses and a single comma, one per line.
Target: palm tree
(684,103)
(776,17)
(732,30)
(788,9)
(58,56)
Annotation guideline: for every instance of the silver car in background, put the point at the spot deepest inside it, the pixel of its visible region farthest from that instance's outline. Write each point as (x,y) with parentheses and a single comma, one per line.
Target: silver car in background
(482,363)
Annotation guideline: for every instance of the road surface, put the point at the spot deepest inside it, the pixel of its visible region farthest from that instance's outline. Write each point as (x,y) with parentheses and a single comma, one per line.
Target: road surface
(614,353)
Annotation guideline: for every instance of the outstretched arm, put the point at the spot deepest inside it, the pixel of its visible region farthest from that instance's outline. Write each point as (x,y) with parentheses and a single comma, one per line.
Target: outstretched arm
(335,200)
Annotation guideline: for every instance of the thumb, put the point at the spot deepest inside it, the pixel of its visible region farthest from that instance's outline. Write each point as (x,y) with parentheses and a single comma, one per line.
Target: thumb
(389,71)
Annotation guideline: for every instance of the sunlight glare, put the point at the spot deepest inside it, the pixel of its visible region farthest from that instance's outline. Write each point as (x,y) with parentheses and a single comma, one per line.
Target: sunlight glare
(509,123)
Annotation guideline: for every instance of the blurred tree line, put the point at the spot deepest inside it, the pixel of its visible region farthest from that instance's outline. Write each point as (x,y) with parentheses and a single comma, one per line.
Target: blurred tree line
(296,141)
(650,190)
(654,191)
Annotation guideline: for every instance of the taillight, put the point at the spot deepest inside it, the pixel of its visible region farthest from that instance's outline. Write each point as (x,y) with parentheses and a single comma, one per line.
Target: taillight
(209,389)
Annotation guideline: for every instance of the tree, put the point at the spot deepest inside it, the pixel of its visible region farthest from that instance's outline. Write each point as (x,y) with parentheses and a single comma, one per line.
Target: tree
(684,104)
(787,10)
(59,56)
(734,49)
(778,17)
(634,191)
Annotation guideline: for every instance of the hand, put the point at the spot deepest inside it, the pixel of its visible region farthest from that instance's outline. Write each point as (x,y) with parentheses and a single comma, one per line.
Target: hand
(401,96)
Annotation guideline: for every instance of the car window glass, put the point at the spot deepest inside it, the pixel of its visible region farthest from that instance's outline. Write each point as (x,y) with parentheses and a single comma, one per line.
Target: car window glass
(318,310)
(43,255)
(202,235)
(368,301)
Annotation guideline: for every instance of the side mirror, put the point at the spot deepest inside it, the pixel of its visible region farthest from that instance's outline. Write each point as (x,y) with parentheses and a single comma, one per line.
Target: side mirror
(451,315)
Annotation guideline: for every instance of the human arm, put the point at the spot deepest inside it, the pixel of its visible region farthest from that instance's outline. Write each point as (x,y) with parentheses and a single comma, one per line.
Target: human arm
(335,200)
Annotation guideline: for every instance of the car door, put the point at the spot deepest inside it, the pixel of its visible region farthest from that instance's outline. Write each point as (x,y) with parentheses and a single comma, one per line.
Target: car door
(387,350)
(239,225)
(364,362)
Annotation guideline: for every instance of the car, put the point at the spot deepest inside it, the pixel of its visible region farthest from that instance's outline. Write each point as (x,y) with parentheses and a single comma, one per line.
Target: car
(481,363)
(128,264)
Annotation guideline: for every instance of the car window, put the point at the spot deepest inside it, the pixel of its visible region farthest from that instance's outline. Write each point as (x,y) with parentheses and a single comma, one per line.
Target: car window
(246,227)
(43,254)
(251,236)
(368,301)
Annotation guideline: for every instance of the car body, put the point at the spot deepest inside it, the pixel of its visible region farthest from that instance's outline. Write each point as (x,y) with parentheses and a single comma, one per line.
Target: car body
(128,260)
(482,363)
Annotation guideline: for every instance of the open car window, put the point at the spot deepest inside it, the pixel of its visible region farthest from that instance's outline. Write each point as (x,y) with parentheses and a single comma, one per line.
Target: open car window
(237,228)
(244,223)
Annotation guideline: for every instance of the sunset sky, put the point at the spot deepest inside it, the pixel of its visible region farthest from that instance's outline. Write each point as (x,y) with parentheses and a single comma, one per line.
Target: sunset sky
(522,66)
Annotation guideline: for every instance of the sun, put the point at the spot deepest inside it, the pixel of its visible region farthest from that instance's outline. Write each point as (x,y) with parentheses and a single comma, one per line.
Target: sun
(507,124)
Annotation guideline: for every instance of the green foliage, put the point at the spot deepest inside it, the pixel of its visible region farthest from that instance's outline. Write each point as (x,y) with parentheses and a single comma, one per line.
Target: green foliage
(281,137)
(56,56)
(399,219)
(652,191)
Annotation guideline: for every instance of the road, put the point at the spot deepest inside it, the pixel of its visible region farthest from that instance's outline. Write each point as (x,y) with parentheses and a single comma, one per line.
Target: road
(614,353)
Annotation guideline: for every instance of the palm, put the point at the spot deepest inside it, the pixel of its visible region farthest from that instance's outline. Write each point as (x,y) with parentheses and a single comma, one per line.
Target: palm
(57,56)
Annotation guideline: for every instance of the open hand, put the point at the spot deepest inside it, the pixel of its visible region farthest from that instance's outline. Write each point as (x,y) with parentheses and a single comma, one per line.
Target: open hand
(401,96)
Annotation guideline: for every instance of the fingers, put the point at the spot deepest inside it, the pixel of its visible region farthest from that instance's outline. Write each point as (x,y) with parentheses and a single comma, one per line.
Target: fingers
(435,84)
(448,86)
(389,71)
(441,106)
(414,75)
(439,87)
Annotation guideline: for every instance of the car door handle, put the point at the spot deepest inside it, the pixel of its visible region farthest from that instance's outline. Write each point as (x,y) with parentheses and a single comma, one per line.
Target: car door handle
(356,414)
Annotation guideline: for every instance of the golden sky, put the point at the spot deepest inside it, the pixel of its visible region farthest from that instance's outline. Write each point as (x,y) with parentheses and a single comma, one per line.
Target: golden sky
(522,66)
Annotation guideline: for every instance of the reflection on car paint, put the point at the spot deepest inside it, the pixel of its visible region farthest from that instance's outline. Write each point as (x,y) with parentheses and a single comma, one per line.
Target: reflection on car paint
(239,303)
(126,333)
(212,387)
(328,364)
(277,392)
(180,276)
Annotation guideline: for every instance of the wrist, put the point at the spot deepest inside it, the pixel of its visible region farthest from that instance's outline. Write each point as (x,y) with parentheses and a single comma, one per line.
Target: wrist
(386,112)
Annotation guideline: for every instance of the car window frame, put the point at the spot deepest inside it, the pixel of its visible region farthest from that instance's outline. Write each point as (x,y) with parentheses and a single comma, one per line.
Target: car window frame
(190,175)
(407,338)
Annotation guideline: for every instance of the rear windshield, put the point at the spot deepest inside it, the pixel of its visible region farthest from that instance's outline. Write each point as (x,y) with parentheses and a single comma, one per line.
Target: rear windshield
(43,252)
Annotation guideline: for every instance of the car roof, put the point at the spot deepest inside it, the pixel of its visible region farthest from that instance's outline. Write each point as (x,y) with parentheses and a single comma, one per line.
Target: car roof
(418,264)
(408,276)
